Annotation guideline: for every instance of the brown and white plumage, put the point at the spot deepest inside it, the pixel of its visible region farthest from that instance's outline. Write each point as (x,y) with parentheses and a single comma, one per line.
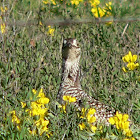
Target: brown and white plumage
(70,84)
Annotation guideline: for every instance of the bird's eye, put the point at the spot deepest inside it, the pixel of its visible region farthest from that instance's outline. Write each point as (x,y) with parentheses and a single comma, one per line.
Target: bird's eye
(65,42)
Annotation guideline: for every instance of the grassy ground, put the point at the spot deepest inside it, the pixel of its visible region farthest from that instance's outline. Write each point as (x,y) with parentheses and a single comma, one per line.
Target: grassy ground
(31,58)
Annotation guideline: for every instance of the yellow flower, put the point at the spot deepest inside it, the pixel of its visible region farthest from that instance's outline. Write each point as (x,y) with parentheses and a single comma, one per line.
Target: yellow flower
(41,90)
(15,119)
(35,105)
(38,122)
(128,132)
(3,10)
(108,8)
(119,115)
(45,1)
(98,12)
(51,31)
(72,99)
(39,111)
(111,121)
(93,128)
(43,129)
(91,111)
(18,127)
(129,58)
(3,28)
(33,132)
(23,104)
(115,118)
(45,122)
(124,69)
(43,100)
(120,120)
(13,112)
(27,110)
(66,98)
(69,99)
(40,23)
(34,91)
(132,65)
(82,126)
(101,12)
(76,2)
(49,1)
(63,107)
(125,125)
(129,138)
(41,93)
(125,117)
(53,2)
(89,116)
(94,3)
(36,108)
(126,58)
(41,122)
(49,134)
(41,125)
(83,111)
(91,119)
(117,125)
(132,138)
(101,129)
(108,5)
(33,112)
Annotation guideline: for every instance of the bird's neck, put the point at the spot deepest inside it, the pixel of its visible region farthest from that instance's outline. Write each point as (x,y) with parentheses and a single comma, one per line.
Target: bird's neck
(70,73)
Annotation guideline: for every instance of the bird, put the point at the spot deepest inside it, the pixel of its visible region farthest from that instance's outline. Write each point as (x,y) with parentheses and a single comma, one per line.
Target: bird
(70,82)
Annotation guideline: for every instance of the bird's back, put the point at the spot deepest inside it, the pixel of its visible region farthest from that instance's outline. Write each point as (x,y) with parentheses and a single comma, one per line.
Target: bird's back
(103,112)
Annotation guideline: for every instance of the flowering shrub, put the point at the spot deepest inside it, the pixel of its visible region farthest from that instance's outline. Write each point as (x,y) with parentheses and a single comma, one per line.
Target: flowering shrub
(100,12)
(88,114)
(37,108)
(121,122)
(15,119)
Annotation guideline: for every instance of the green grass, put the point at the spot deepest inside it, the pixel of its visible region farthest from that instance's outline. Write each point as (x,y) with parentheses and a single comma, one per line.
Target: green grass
(24,67)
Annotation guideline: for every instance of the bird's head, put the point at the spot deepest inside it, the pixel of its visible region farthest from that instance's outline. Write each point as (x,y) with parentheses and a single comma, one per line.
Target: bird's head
(70,50)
